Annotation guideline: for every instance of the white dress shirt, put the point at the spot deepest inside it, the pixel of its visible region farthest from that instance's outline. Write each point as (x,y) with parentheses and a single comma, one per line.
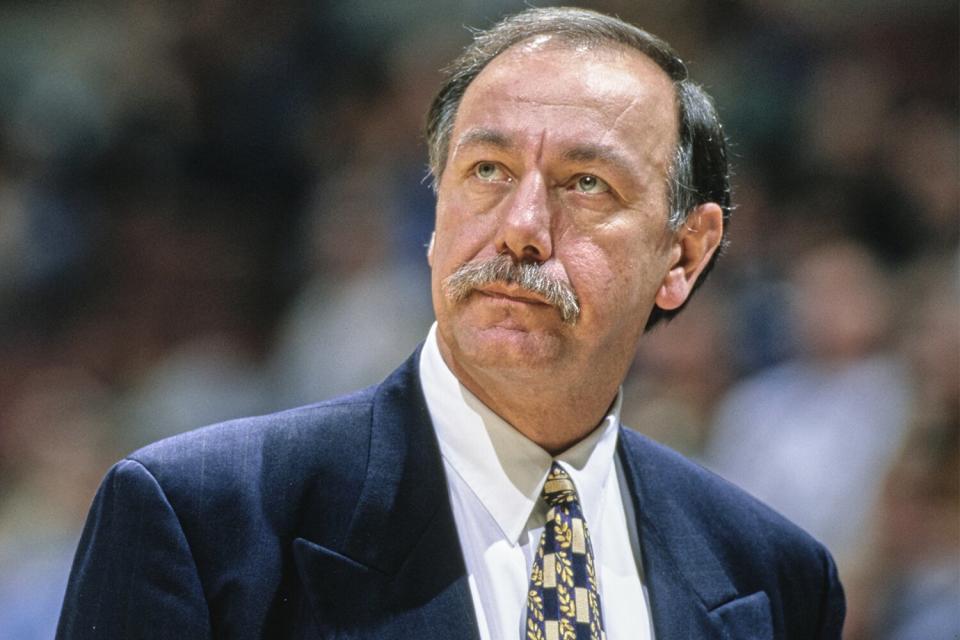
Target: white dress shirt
(495,476)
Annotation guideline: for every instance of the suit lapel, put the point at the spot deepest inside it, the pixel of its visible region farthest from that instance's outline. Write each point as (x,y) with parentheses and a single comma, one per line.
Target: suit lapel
(686,582)
(400,571)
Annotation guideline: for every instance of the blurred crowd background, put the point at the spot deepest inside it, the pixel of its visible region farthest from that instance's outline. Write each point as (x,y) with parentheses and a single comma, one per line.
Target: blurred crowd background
(211,209)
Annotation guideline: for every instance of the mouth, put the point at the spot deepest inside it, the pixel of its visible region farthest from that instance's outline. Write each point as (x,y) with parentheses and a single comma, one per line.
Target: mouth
(514,294)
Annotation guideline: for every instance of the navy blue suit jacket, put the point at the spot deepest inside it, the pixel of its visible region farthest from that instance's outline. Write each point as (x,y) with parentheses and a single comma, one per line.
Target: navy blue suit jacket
(333,521)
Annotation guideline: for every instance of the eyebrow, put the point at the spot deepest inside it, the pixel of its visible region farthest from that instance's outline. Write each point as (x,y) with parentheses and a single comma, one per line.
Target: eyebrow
(586,152)
(484,137)
(598,153)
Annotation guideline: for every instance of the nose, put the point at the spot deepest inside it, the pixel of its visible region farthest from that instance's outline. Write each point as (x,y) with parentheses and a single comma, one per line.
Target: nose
(525,230)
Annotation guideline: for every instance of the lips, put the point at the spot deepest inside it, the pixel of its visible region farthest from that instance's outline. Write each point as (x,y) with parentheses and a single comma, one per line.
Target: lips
(512,293)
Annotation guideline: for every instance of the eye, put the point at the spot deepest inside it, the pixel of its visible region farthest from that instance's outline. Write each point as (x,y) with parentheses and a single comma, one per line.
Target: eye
(489,171)
(590,184)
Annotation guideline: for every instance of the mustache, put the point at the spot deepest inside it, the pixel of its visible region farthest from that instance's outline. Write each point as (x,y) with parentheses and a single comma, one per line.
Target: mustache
(530,276)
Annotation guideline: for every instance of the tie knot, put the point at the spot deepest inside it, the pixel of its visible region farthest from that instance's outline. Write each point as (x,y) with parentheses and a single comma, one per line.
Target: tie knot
(559,488)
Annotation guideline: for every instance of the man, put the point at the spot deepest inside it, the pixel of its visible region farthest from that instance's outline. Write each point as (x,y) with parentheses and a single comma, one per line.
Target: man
(486,489)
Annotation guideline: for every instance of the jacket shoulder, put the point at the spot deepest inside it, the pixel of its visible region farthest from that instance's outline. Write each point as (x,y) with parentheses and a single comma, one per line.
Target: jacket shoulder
(243,446)
(265,469)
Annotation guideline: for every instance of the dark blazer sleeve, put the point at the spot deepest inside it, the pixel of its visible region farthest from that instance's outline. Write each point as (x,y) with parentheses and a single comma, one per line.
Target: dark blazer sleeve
(134,575)
(834,606)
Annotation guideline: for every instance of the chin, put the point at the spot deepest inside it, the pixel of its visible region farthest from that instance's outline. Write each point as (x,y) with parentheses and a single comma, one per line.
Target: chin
(506,347)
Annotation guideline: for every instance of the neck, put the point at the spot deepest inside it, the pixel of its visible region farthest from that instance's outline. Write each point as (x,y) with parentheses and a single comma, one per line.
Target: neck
(553,416)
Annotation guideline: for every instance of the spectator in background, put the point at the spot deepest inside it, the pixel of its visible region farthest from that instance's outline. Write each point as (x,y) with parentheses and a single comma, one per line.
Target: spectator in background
(339,315)
(813,435)
(908,585)
(920,537)
(907,580)
(670,395)
(55,442)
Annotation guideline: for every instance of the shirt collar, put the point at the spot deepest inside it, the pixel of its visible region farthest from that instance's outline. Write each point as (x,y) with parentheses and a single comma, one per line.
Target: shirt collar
(504,469)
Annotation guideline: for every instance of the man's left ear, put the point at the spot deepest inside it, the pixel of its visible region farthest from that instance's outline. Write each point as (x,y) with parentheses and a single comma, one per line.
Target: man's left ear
(694,246)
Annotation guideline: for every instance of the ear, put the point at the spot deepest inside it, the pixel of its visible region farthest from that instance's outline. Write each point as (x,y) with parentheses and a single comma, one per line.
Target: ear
(433,237)
(694,246)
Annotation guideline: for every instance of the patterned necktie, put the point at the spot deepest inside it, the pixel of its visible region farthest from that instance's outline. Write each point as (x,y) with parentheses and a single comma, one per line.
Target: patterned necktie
(563,602)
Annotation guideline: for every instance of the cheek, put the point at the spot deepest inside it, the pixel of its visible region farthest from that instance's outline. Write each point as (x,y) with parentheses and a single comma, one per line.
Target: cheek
(602,281)
(590,269)
(460,236)
(613,279)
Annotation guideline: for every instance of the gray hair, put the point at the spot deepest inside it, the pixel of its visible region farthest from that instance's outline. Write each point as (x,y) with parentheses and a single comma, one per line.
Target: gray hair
(530,276)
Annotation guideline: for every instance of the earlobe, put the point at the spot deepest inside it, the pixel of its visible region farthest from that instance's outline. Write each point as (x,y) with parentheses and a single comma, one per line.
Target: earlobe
(674,290)
(695,245)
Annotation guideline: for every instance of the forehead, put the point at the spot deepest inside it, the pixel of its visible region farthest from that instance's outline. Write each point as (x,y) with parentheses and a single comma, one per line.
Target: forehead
(567,93)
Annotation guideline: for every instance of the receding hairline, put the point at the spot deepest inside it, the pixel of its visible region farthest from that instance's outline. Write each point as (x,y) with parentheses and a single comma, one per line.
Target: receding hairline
(564,41)
(570,39)
(597,46)
(578,27)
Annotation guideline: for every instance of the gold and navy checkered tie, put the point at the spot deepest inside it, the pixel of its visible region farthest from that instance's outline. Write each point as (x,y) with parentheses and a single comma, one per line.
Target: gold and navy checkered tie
(563,601)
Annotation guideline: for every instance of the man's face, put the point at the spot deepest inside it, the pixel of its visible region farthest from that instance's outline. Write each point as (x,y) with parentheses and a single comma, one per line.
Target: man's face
(559,156)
